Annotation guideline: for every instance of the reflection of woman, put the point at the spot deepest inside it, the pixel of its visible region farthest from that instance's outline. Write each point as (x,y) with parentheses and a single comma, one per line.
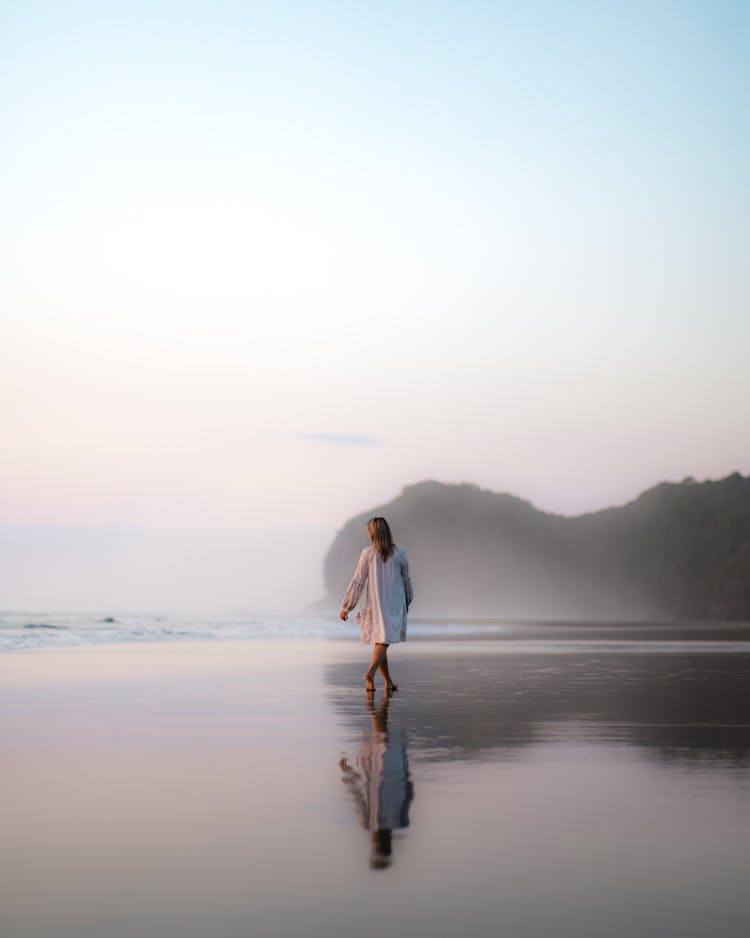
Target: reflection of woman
(379,783)
(382,580)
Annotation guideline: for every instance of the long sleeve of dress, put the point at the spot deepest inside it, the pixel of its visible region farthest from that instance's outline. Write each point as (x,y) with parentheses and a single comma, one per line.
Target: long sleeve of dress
(409,592)
(358,582)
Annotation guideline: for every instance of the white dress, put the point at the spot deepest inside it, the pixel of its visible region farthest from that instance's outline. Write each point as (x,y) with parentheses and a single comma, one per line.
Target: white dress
(386,592)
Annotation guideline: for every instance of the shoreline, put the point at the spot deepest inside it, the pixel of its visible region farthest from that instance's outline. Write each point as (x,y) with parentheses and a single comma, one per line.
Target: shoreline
(36,636)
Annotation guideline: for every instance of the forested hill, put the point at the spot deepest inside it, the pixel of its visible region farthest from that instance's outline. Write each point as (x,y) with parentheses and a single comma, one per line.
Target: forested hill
(679,550)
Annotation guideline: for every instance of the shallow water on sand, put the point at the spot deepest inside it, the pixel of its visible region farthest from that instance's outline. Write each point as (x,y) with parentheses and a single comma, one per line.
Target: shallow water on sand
(251,788)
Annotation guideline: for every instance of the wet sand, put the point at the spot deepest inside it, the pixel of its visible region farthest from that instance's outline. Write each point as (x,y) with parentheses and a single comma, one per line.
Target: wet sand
(250,788)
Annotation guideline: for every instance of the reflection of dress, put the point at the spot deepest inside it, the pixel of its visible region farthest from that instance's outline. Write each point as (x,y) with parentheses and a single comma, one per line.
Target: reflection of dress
(386,591)
(379,781)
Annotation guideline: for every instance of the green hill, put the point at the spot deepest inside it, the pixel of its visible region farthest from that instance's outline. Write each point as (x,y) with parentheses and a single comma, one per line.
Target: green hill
(679,550)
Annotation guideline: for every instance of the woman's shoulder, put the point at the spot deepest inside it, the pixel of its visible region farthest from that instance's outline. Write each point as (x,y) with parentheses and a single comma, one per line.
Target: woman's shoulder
(400,550)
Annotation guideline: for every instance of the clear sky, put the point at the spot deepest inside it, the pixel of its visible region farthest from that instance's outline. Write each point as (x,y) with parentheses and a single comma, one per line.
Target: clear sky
(263,264)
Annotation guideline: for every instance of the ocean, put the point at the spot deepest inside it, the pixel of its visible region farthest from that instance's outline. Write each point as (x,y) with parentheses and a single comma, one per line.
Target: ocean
(28,629)
(21,630)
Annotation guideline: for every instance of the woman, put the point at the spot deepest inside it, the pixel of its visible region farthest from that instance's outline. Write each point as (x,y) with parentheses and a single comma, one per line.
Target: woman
(382,579)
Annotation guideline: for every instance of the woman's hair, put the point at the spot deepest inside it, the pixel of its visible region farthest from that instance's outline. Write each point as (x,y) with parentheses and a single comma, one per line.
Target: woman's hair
(381,537)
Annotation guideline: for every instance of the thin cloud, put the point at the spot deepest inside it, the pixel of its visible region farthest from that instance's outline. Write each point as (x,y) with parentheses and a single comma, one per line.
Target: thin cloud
(336,439)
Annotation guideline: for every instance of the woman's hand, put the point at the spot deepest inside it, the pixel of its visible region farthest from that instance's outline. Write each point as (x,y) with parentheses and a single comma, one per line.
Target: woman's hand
(344,615)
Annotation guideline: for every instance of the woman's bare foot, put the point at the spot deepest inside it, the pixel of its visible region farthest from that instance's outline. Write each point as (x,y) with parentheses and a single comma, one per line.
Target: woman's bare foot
(369,684)
(391,688)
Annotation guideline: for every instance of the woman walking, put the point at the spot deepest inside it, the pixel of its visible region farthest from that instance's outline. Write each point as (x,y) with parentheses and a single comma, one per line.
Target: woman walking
(382,580)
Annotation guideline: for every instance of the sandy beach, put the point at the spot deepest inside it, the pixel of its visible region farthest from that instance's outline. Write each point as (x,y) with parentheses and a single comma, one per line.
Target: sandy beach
(248,788)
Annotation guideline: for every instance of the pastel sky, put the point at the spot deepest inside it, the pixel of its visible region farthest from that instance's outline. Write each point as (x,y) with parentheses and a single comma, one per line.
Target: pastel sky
(264,264)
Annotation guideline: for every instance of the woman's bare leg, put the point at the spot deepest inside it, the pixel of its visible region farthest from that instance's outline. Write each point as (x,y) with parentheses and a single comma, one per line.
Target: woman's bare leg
(378,653)
(383,667)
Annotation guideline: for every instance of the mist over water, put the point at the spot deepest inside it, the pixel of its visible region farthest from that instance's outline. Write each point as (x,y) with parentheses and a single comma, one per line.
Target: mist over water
(134,568)
(677,551)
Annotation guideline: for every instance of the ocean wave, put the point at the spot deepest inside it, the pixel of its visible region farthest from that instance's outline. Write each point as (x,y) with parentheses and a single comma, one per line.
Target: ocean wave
(19,631)
(28,630)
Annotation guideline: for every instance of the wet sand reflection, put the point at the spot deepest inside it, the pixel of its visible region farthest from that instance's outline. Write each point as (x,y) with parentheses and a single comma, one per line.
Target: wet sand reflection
(378,781)
(474,704)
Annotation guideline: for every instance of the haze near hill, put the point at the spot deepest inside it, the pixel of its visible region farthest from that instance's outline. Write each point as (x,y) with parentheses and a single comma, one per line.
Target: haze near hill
(679,550)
